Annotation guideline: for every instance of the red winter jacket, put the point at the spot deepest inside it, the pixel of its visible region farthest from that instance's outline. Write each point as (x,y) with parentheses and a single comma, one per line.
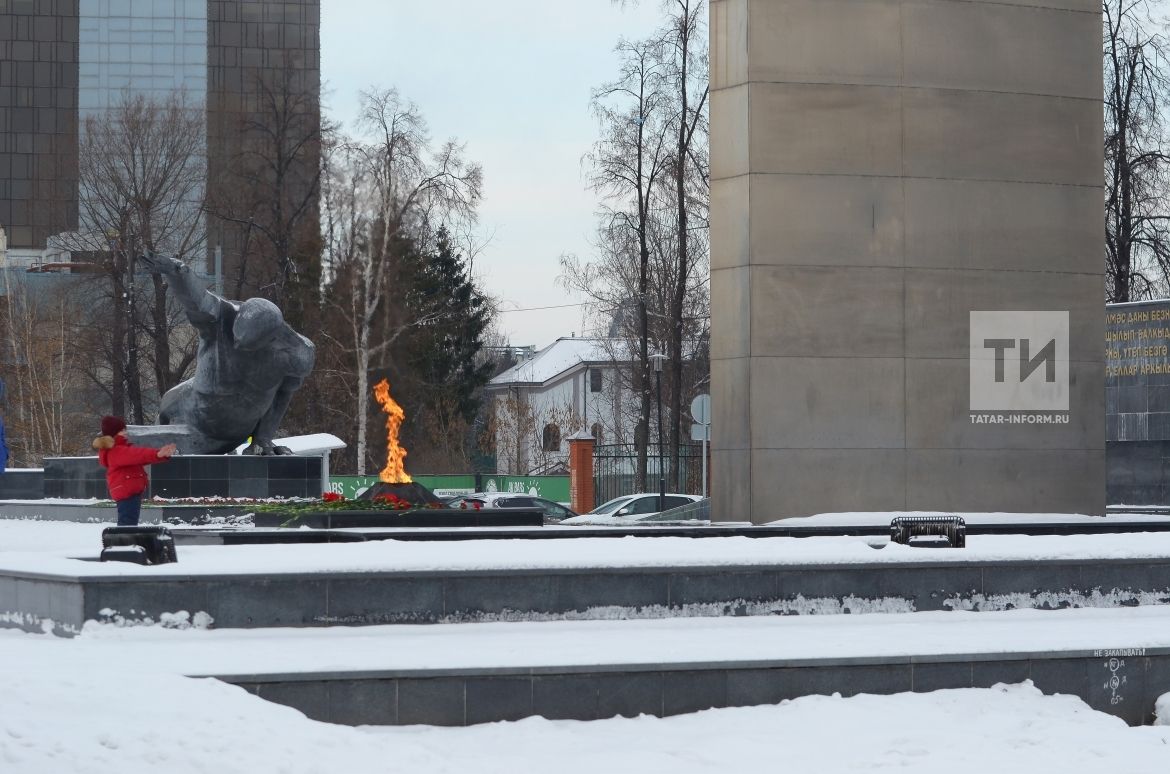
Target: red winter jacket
(125,465)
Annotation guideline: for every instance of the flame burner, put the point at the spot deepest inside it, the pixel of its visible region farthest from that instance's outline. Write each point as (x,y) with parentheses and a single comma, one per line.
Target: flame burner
(413,493)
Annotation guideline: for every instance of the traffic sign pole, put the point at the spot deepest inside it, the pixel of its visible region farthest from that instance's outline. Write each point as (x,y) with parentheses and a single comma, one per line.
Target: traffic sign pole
(701,413)
(705,427)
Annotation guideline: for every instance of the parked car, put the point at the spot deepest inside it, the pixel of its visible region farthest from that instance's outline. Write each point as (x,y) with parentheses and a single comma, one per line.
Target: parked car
(552,511)
(632,508)
(690,512)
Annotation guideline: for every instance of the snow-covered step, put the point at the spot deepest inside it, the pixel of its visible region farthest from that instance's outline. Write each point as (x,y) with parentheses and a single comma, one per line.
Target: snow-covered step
(479,581)
(1117,660)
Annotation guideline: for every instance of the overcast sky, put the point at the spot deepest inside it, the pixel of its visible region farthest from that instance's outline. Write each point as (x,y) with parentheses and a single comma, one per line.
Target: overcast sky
(512,79)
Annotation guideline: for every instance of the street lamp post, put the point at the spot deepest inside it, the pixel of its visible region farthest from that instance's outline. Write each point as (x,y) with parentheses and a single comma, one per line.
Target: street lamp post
(661,467)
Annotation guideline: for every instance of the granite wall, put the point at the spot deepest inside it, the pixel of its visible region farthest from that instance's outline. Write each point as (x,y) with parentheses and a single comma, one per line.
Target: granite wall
(194,476)
(880,170)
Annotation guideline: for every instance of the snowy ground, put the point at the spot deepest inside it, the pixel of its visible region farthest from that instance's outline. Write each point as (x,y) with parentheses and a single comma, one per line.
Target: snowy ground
(875,519)
(61,537)
(114,700)
(57,548)
(872,519)
(524,644)
(56,717)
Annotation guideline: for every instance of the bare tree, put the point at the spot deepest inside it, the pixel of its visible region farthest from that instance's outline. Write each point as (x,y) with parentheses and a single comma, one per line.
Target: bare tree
(270,191)
(626,165)
(687,72)
(511,426)
(609,280)
(41,379)
(384,194)
(660,269)
(1137,238)
(531,442)
(142,181)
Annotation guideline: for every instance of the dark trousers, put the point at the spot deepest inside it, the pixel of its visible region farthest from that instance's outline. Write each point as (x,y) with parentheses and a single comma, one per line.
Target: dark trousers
(128,511)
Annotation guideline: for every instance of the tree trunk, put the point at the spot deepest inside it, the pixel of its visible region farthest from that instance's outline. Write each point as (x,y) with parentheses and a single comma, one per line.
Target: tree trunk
(133,367)
(118,342)
(1124,279)
(363,404)
(682,271)
(643,431)
(369,305)
(165,378)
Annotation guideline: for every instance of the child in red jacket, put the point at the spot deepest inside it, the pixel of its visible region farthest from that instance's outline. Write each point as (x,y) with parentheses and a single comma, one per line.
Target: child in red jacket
(125,466)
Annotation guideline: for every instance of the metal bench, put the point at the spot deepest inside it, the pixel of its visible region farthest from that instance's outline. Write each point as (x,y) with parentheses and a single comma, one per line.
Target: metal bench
(929,531)
(139,545)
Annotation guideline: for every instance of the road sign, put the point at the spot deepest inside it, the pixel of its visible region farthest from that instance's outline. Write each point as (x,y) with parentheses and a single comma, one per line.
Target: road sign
(701,410)
(701,430)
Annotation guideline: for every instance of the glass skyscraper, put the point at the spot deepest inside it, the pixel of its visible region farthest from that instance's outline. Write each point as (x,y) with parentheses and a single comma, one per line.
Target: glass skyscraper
(62,60)
(151,47)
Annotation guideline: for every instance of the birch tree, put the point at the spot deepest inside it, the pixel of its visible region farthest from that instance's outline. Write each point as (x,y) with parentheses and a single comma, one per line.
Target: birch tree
(41,380)
(387,191)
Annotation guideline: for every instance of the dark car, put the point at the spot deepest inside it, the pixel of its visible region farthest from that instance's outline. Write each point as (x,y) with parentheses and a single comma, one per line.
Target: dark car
(553,512)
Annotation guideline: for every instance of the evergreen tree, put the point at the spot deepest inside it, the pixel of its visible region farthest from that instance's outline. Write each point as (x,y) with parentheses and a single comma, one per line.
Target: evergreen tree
(443,353)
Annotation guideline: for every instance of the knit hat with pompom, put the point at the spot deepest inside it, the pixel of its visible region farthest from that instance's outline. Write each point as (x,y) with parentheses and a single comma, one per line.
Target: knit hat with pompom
(113,425)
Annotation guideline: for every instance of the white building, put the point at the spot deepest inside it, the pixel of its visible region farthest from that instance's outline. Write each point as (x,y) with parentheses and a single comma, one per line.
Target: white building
(573,384)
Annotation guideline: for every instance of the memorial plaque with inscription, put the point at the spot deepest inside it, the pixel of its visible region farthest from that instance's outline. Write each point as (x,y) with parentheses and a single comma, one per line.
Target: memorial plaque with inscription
(1137,371)
(1137,403)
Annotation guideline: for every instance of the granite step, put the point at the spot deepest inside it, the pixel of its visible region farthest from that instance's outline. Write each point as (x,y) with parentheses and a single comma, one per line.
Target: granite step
(1117,660)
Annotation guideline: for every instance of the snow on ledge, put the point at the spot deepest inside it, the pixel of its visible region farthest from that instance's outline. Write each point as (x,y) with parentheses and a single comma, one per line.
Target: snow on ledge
(62,558)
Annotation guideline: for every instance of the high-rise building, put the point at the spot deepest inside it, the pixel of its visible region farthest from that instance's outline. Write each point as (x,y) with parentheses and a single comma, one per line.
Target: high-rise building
(62,60)
(38,120)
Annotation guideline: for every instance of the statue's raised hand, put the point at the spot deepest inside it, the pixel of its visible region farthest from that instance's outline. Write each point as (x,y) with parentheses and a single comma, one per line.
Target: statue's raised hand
(161,264)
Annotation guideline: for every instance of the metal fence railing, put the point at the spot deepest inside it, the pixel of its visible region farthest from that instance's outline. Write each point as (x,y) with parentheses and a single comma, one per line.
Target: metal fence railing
(615,468)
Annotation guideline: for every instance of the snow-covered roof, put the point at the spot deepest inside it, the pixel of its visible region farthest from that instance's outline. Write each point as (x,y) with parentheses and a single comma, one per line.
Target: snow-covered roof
(559,357)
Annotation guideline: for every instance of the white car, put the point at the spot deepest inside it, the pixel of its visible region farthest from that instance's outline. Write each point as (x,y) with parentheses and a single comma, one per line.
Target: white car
(631,508)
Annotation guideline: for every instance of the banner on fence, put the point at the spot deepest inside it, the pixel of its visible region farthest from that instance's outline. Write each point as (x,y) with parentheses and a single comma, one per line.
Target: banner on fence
(555,488)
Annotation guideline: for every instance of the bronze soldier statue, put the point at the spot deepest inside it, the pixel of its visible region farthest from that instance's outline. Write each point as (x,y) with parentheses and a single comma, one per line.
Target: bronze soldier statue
(249,364)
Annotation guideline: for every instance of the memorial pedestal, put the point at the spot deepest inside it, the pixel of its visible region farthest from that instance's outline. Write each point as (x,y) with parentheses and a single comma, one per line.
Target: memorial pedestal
(193,476)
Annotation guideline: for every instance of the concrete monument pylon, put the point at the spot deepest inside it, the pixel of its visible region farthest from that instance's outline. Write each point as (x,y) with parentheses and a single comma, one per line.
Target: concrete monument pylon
(906,199)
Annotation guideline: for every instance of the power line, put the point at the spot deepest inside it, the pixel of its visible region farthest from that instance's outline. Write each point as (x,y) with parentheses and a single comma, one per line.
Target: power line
(542,308)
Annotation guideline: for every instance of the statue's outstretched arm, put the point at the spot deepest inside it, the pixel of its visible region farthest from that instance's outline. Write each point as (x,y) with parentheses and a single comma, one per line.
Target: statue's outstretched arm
(200,304)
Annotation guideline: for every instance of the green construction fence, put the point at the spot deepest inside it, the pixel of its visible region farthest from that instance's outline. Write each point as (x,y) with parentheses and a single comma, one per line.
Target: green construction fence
(555,488)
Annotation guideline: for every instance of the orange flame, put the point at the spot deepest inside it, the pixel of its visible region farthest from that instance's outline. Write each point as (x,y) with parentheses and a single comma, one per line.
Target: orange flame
(395,470)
